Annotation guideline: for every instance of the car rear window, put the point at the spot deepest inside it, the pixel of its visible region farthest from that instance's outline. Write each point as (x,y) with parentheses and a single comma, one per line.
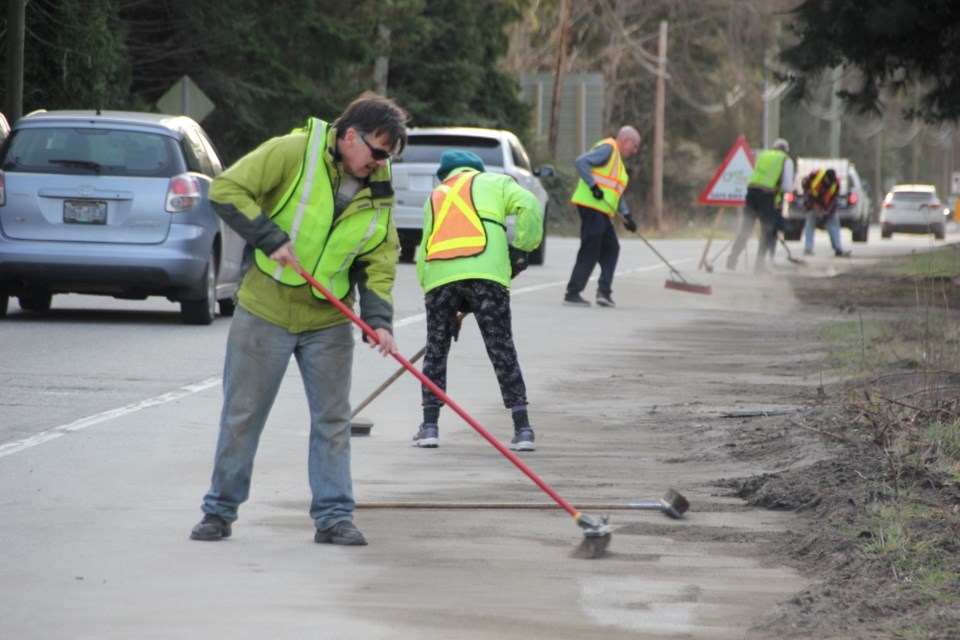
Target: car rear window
(907,197)
(429,148)
(114,152)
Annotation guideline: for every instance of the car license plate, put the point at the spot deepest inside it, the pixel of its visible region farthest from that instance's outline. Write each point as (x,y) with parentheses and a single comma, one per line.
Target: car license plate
(84,212)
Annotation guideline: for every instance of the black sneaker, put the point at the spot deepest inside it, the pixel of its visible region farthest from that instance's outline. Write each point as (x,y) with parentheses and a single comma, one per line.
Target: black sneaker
(574,300)
(344,532)
(840,253)
(211,528)
(427,437)
(604,300)
(523,440)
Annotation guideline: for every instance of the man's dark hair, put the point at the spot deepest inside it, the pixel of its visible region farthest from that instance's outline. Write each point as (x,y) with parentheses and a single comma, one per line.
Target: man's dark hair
(830,176)
(373,114)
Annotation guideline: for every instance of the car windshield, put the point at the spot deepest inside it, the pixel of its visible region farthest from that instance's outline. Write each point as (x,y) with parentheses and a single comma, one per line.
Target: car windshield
(429,148)
(83,150)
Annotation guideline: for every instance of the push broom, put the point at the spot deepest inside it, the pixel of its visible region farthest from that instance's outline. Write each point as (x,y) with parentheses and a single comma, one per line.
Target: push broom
(672,504)
(677,280)
(596,533)
(362,426)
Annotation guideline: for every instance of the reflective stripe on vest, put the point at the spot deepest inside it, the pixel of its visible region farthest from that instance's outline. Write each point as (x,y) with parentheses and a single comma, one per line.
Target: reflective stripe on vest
(457,228)
(817,183)
(612,179)
(305,213)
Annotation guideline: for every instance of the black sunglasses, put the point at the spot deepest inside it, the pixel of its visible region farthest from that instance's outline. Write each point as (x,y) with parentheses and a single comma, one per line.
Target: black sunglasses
(376,152)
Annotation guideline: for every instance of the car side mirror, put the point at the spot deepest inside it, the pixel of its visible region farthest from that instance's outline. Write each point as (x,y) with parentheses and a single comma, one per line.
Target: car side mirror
(545,171)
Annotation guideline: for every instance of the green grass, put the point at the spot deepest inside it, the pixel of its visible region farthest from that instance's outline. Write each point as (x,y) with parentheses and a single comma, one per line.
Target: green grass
(896,347)
(944,262)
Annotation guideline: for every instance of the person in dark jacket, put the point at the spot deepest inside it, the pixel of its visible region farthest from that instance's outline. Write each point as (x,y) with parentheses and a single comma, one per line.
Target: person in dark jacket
(821,193)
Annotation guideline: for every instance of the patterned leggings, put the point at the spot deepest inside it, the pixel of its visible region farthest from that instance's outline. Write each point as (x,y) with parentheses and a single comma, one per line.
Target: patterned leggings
(490,304)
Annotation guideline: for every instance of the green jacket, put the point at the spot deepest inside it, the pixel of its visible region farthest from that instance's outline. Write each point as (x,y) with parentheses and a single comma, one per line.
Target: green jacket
(495,196)
(258,183)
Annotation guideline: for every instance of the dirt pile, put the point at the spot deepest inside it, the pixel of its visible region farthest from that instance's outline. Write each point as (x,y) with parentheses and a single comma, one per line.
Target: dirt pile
(878,503)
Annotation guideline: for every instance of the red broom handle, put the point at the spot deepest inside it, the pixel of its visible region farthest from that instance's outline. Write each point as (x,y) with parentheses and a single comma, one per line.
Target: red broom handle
(437,391)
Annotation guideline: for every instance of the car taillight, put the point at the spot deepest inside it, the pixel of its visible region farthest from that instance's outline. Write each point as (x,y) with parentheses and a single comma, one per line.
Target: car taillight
(852,198)
(183,193)
(790,197)
(3,191)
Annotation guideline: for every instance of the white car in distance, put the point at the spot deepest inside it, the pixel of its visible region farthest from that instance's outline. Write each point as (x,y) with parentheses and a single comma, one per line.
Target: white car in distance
(415,175)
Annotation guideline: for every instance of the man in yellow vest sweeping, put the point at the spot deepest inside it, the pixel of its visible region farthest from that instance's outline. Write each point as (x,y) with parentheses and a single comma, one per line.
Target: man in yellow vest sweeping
(599,198)
(465,264)
(319,198)
(772,177)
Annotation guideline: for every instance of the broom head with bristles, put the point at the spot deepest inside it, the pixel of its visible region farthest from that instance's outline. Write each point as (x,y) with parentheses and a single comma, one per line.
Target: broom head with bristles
(596,537)
(684,285)
(673,504)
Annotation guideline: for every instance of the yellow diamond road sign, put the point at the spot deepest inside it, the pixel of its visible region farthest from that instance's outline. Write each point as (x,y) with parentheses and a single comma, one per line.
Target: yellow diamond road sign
(185,98)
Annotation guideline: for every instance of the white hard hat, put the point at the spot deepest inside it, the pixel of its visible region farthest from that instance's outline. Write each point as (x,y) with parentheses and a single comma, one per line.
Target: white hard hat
(781,144)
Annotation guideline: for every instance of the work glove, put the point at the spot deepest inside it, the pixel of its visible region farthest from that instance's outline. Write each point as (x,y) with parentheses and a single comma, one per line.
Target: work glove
(597,192)
(629,223)
(518,261)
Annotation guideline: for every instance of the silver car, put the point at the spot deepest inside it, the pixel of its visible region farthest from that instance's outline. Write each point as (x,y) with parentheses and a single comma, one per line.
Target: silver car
(415,175)
(913,208)
(114,203)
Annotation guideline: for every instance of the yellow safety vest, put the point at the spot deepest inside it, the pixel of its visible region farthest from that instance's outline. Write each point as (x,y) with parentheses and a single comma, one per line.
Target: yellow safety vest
(612,178)
(326,248)
(457,228)
(817,183)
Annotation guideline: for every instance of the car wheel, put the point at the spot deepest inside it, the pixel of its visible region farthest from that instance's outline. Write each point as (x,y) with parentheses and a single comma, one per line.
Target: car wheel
(4,302)
(35,300)
(227,307)
(939,232)
(860,231)
(886,234)
(204,310)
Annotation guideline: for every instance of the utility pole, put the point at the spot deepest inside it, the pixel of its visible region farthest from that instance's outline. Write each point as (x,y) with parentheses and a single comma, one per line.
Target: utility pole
(558,80)
(13,86)
(835,109)
(381,65)
(658,129)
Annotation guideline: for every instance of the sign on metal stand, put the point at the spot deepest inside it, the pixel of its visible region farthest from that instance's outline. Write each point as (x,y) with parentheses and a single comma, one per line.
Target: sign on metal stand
(728,187)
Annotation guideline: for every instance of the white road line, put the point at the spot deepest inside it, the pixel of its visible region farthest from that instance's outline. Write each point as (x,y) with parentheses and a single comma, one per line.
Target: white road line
(56,432)
(53,433)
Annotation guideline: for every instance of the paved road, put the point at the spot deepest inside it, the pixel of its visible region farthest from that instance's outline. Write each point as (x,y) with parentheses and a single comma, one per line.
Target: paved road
(108,424)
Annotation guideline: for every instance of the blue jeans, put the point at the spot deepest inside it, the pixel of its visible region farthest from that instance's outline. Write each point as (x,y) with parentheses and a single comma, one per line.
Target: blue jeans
(258,353)
(833,228)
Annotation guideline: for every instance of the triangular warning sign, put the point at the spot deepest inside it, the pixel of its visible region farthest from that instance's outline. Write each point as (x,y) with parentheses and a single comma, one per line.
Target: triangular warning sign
(729,186)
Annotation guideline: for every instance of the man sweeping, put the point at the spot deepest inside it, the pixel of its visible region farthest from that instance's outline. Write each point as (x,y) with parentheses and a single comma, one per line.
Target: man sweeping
(465,264)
